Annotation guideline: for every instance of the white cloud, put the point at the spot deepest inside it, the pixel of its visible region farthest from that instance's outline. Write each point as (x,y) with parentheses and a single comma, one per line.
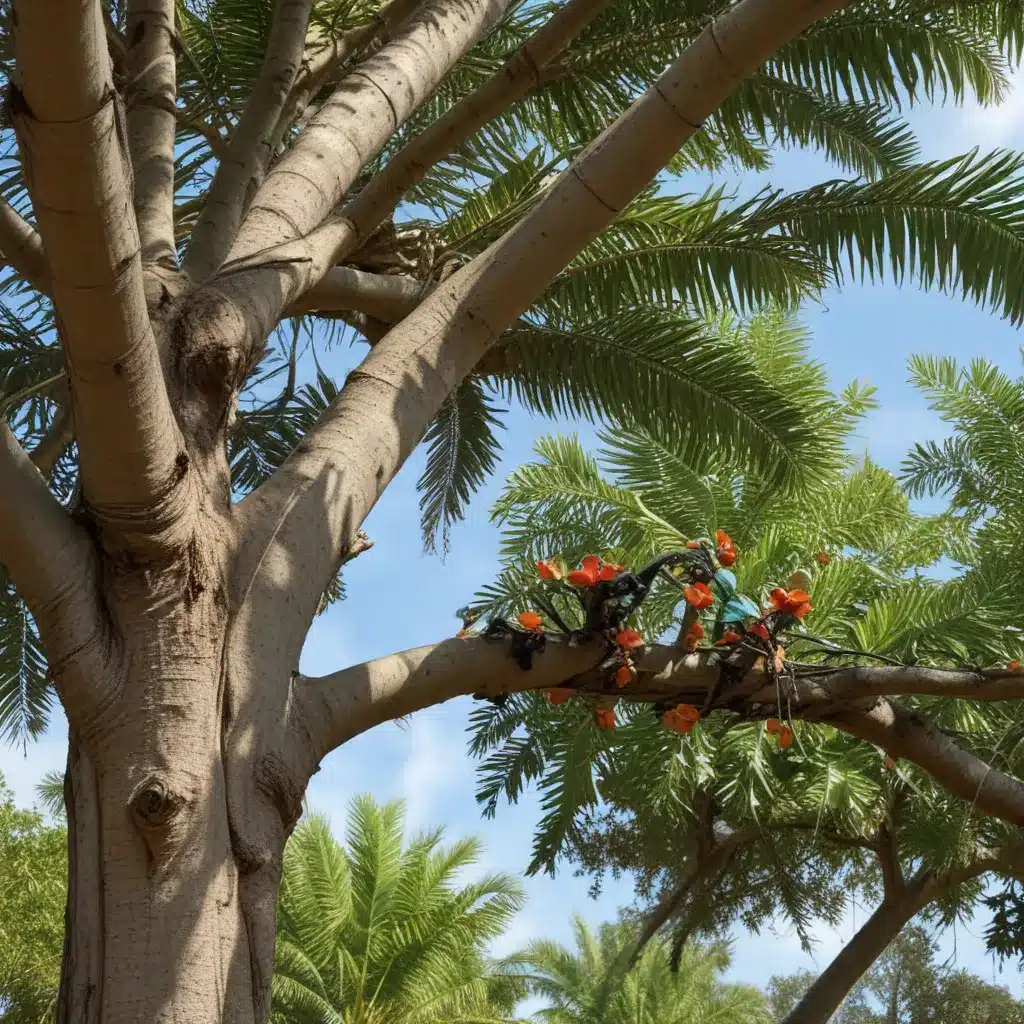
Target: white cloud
(998,125)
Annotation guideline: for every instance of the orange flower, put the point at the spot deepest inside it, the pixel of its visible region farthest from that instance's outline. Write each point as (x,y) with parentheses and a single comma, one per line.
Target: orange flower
(549,569)
(628,638)
(759,629)
(1013,666)
(694,635)
(780,658)
(889,762)
(461,634)
(604,718)
(693,545)
(587,575)
(624,676)
(823,558)
(785,737)
(793,602)
(610,571)
(557,695)
(726,549)
(531,621)
(772,726)
(699,595)
(688,712)
(681,719)
(728,637)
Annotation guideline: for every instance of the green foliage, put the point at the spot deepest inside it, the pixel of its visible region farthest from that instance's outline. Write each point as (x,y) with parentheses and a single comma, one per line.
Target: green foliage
(375,932)
(33,872)
(572,983)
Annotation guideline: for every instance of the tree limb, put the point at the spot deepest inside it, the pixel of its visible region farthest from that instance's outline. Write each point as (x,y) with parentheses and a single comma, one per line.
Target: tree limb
(387,297)
(906,734)
(70,130)
(150,97)
(312,505)
(365,110)
(209,132)
(54,443)
(324,58)
(518,76)
(22,248)
(332,709)
(53,565)
(243,166)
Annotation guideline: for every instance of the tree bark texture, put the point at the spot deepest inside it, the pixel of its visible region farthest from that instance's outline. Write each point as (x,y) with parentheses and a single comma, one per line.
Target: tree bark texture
(174,618)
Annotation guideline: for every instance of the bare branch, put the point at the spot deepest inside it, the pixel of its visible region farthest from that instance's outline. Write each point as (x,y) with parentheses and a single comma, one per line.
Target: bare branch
(355,123)
(906,734)
(22,248)
(70,129)
(243,166)
(332,709)
(54,443)
(387,297)
(150,97)
(366,435)
(520,75)
(53,566)
(860,682)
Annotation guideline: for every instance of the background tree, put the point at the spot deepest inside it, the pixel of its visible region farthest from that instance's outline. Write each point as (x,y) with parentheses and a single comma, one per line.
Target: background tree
(371,932)
(188,177)
(33,869)
(909,985)
(573,983)
(724,825)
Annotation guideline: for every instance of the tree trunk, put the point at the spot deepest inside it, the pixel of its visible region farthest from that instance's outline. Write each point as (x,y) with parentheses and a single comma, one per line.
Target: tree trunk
(834,984)
(157,929)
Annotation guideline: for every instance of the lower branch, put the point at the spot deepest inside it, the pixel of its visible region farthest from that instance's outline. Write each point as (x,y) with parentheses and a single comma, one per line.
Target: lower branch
(22,248)
(54,443)
(332,709)
(53,565)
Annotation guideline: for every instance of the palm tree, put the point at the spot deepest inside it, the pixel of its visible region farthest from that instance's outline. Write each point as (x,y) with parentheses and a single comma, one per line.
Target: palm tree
(573,983)
(371,932)
(724,825)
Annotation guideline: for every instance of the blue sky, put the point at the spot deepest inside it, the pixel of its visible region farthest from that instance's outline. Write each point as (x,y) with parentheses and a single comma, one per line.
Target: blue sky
(399,597)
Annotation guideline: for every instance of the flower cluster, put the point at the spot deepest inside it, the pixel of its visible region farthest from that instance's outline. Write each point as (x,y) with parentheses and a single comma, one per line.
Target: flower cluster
(531,621)
(591,571)
(782,732)
(693,637)
(604,718)
(699,595)
(791,602)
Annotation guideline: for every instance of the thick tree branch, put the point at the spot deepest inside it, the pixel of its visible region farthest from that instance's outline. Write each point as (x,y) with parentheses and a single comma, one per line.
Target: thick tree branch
(53,565)
(332,709)
(520,75)
(313,504)
(907,734)
(243,166)
(22,248)
(323,59)
(150,97)
(209,132)
(70,130)
(387,297)
(358,119)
